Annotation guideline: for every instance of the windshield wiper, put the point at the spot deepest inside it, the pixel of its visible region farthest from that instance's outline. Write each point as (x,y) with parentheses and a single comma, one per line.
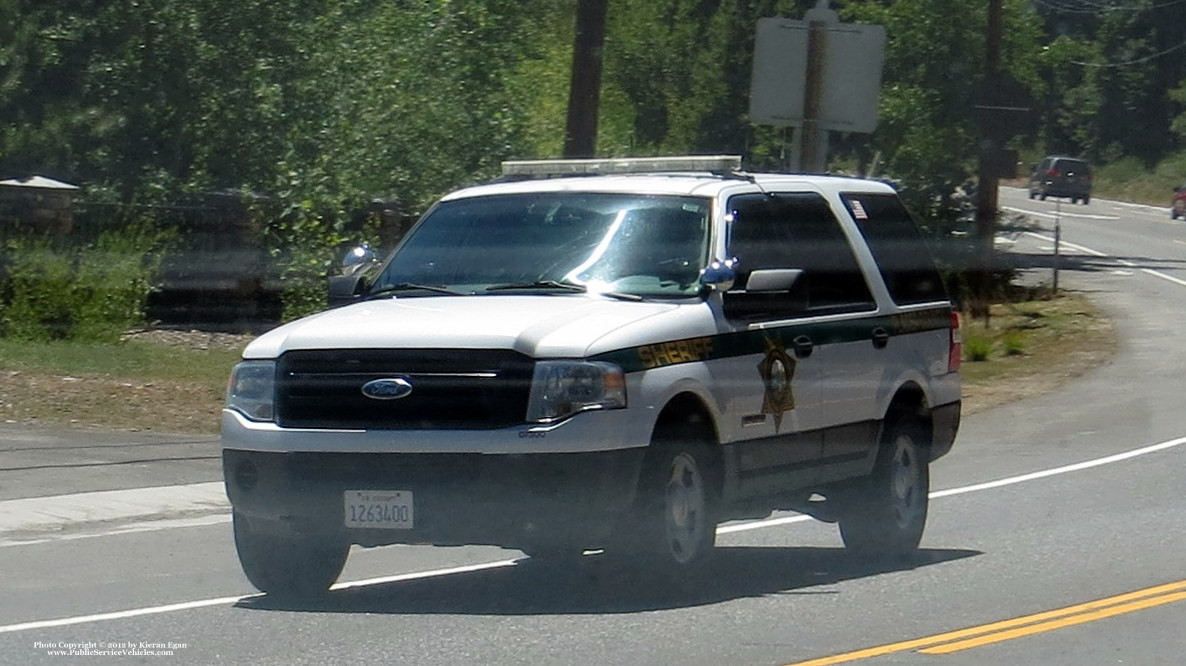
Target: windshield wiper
(541,284)
(565,286)
(410,286)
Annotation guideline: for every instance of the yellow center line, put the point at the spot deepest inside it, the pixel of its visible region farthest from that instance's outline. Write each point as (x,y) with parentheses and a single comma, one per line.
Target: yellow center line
(1056,624)
(1092,610)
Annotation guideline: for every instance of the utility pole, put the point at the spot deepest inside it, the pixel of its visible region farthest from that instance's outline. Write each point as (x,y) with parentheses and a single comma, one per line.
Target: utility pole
(813,157)
(584,93)
(988,188)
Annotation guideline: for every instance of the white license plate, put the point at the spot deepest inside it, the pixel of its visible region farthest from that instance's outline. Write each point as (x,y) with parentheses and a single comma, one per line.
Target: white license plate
(382,509)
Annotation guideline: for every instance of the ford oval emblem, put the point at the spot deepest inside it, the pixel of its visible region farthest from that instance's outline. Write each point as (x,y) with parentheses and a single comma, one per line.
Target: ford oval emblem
(388,388)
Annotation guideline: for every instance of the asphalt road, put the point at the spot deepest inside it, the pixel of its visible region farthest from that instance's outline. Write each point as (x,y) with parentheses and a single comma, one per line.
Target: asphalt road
(1056,537)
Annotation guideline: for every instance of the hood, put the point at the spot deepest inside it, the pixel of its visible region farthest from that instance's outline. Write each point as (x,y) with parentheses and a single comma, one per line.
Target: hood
(540,326)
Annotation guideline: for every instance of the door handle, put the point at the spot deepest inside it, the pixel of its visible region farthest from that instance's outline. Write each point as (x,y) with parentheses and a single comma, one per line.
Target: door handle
(802,346)
(881,338)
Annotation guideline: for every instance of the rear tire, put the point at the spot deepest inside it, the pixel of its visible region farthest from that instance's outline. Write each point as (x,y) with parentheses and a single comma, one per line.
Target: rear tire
(1086,200)
(885,515)
(287,566)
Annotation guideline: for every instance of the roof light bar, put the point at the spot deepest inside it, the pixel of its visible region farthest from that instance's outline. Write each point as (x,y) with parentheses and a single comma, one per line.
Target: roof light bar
(544,168)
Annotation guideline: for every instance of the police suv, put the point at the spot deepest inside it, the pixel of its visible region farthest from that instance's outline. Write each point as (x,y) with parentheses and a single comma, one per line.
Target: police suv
(609,355)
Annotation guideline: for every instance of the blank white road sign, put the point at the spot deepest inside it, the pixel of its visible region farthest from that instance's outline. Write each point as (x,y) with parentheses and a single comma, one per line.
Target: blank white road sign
(853,58)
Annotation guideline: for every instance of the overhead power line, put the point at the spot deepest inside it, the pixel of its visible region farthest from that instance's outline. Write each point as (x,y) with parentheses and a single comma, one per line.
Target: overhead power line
(1090,7)
(1136,61)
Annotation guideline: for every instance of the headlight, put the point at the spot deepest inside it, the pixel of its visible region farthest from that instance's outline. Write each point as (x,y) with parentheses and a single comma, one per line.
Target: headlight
(563,388)
(252,388)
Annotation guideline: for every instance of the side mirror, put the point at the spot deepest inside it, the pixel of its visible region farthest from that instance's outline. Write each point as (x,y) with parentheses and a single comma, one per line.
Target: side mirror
(357,260)
(772,280)
(345,289)
(719,275)
(769,293)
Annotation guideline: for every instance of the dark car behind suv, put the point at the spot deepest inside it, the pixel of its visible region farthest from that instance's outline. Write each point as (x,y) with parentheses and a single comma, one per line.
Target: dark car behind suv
(1062,177)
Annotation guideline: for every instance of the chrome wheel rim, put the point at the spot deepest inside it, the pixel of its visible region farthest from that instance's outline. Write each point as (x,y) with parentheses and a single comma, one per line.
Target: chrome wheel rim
(684,518)
(906,482)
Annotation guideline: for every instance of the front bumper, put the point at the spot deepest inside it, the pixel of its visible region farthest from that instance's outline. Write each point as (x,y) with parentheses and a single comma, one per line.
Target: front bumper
(515,501)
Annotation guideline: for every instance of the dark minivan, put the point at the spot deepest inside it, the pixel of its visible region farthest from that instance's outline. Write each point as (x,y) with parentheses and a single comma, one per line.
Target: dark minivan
(1062,177)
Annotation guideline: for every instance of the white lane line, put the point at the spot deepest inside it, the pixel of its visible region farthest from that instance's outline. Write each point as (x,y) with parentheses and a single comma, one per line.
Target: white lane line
(226,601)
(1065,469)
(1085,216)
(759,524)
(1021,191)
(1023,211)
(119,615)
(1139,206)
(424,574)
(725,529)
(1163,276)
(1123,262)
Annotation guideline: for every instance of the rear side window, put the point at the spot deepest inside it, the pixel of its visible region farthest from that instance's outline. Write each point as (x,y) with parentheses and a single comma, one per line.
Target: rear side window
(898,246)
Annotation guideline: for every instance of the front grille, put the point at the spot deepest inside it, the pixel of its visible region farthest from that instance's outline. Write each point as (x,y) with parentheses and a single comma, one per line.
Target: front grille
(451,389)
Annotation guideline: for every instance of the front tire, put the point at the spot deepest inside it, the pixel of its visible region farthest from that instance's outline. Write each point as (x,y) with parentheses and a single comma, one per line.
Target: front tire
(287,566)
(887,513)
(673,530)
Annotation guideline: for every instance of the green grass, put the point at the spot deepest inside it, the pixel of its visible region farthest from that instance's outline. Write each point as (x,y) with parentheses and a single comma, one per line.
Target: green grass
(139,360)
(134,385)
(1130,180)
(977,347)
(1031,346)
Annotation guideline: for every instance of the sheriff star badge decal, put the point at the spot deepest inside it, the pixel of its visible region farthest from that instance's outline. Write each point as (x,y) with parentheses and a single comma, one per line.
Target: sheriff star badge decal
(777,370)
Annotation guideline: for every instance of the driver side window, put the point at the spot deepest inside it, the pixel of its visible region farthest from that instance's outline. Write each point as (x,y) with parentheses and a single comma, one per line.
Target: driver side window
(795,231)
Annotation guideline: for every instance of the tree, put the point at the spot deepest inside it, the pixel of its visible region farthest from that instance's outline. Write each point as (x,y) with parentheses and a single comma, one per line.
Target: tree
(1109,71)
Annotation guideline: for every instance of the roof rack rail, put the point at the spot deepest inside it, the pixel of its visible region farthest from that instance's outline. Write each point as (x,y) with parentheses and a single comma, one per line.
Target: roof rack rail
(718,164)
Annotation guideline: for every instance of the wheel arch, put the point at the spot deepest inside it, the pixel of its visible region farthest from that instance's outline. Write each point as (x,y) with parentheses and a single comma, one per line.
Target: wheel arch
(689,410)
(910,401)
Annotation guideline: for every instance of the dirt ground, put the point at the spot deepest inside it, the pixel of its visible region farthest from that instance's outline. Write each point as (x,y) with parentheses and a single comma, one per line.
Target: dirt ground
(96,401)
(1050,360)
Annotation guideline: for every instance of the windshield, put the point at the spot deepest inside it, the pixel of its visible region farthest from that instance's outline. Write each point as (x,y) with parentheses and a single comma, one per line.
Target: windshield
(652,246)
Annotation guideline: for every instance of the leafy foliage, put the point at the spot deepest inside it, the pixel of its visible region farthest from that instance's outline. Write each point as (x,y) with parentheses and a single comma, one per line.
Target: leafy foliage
(321,107)
(56,289)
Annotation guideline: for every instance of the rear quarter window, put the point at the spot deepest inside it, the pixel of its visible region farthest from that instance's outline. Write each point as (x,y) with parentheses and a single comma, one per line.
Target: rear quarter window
(901,252)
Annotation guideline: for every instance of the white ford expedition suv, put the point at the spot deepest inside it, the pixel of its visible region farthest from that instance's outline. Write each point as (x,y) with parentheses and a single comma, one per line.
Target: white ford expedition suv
(608,355)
